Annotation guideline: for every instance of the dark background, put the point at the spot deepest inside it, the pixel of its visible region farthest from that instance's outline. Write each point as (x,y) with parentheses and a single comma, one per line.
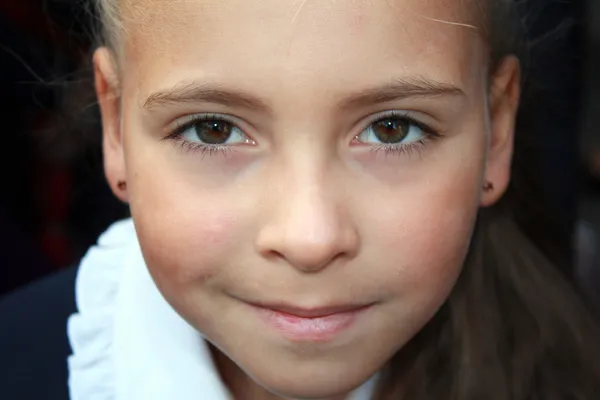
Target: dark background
(53,198)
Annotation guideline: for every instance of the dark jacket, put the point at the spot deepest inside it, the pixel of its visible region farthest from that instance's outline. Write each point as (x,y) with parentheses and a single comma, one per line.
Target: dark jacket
(33,339)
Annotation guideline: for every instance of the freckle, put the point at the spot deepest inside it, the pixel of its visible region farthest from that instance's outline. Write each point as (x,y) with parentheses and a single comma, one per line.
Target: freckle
(358,24)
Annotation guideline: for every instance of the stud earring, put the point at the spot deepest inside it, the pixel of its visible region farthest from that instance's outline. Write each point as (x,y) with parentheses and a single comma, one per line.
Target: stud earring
(488,187)
(122,185)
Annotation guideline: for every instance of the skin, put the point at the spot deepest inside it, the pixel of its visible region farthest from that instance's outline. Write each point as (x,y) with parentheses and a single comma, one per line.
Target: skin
(304,212)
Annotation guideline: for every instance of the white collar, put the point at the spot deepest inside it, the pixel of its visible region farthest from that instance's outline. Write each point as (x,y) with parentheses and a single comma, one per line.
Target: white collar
(128,343)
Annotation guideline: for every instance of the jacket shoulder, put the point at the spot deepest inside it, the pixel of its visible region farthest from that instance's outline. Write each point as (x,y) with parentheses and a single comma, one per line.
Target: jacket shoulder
(34,346)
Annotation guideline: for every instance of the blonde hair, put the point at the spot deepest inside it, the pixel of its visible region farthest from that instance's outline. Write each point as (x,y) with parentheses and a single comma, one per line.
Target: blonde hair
(497,18)
(111,26)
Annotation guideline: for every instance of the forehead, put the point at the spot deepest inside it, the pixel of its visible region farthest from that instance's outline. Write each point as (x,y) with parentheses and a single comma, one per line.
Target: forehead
(270,42)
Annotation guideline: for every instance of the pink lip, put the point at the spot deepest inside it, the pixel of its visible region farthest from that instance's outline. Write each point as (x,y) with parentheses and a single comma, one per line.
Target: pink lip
(318,325)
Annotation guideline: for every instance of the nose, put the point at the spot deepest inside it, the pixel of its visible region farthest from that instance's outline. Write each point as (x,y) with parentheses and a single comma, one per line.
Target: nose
(307,226)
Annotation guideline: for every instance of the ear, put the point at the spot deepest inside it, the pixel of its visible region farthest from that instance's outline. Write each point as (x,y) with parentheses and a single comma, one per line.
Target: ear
(505,93)
(108,93)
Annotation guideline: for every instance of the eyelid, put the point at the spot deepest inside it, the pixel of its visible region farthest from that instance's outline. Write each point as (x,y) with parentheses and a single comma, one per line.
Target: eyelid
(417,118)
(183,123)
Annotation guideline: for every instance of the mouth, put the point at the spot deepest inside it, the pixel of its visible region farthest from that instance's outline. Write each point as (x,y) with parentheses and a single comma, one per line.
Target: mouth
(320,324)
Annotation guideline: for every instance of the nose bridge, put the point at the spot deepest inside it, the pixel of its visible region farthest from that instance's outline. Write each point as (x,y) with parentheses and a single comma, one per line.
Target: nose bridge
(305,223)
(310,203)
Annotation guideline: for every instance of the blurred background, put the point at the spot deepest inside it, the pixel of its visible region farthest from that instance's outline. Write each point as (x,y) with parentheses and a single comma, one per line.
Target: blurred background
(53,198)
(54,201)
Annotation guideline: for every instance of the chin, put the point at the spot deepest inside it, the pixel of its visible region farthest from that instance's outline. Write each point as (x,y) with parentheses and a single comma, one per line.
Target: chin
(318,384)
(333,390)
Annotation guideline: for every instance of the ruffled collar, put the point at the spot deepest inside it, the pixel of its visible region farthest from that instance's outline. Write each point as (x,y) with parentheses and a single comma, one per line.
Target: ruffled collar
(127,342)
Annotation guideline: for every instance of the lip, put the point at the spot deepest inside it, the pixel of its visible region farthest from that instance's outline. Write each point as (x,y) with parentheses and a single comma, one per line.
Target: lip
(320,324)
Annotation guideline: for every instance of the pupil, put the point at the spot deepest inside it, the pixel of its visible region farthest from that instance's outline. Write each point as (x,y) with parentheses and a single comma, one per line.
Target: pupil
(391,131)
(213,132)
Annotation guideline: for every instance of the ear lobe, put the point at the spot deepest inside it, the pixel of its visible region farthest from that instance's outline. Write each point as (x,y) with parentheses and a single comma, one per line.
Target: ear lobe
(108,93)
(505,94)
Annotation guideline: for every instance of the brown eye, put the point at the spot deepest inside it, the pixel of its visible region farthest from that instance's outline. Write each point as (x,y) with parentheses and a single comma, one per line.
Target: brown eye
(213,132)
(394,132)
(391,130)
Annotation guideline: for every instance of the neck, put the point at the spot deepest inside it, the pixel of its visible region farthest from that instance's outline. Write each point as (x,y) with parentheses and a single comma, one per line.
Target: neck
(239,384)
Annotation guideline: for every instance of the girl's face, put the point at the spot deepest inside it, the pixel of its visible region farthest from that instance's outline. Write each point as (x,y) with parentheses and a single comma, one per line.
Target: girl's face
(304,176)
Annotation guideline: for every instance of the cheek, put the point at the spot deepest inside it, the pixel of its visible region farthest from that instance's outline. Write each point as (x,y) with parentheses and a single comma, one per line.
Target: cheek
(420,245)
(185,227)
(185,233)
(434,248)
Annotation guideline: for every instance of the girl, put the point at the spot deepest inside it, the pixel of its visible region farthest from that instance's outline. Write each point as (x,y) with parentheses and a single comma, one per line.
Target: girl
(318,211)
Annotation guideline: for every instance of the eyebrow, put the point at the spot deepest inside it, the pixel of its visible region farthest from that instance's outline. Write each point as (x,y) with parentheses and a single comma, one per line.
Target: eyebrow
(402,88)
(193,93)
(399,88)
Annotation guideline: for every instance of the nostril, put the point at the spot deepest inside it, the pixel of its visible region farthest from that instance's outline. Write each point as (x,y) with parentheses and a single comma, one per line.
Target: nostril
(275,255)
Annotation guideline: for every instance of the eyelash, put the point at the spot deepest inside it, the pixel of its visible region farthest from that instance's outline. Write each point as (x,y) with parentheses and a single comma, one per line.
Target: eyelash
(214,149)
(205,149)
(406,149)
